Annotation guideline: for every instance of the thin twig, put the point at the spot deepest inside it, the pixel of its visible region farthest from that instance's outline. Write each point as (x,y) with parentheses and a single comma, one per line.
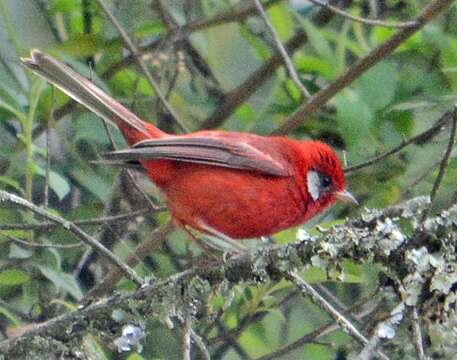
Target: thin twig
(248,320)
(443,165)
(446,156)
(237,13)
(40,245)
(129,173)
(305,111)
(142,250)
(417,335)
(187,341)
(426,134)
(97,316)
(372,22)
(384,329)
(308,290)
(285,56)
(48,145)
(45,225)
(322,330)
(238,95)
(198,340)
(136,54)
(68,225)
(234,98)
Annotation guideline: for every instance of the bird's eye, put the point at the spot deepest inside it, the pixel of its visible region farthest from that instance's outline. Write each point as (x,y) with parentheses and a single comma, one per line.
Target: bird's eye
(326,181)
(318,184)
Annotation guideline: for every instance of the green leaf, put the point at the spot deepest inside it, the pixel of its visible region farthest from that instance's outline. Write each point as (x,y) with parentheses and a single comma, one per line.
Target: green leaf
(135,357)
(13,277)
(381,34)
(57,183)
(16,112)
(313,64)
(319,43)
(62,281)
(260,50)
(10,316)
(281,20)
(91,181)
(378,85)
(13,183)
(354,118)
(92,349)
(90,127)
(352,273)
(65,6)
(314,275)
(82,45)
(17,252)
(150,28)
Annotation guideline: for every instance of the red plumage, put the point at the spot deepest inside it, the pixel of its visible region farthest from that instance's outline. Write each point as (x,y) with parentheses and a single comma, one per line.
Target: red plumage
(238,184)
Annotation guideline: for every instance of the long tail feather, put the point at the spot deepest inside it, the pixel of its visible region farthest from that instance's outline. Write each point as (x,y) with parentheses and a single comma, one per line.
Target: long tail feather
(82,90)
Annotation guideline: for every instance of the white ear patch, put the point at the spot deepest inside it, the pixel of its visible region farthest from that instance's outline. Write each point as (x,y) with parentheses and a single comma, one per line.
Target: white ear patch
(313,182)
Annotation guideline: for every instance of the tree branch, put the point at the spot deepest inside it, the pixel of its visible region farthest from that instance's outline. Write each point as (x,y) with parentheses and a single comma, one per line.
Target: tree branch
(419,138)
(308,290)
(305,111)
(136,55)
(83,236)
(285,56)
(242,92)
(371,22)
(374,235)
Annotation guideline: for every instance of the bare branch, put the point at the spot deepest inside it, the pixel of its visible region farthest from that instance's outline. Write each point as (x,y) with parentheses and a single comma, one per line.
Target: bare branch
(417,335)
(249,267)
(339,243)
(68,225)
(385,329)
(318,332)
(98,221)
(372,22)
(345,324)
(242,92)
(198,340)
(143,249)
(446,156)
(136,54)
(238,14)
(33,244)
(187,341)
(285,56)
(419,138)
(305,111)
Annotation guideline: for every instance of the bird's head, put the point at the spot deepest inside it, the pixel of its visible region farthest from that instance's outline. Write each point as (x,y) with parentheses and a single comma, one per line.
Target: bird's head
(324,176)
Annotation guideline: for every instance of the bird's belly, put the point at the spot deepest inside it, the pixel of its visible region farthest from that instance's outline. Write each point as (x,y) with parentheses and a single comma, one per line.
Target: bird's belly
(236,203)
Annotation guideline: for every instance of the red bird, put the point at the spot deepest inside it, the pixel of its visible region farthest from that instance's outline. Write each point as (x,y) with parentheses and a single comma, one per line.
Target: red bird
(221,183)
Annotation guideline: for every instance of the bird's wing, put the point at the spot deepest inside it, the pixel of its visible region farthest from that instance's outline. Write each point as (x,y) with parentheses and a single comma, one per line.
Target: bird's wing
(204,150)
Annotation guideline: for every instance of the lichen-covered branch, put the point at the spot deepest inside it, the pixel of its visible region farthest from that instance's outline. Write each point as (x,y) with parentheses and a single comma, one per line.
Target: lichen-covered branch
(419,259)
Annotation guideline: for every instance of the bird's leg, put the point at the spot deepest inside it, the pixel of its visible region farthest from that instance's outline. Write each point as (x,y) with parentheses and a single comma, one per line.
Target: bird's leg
(206,249)
(234,246)
(208,255)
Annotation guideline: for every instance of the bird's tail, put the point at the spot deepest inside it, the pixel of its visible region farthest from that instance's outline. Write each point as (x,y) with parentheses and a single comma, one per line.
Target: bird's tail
(89,95)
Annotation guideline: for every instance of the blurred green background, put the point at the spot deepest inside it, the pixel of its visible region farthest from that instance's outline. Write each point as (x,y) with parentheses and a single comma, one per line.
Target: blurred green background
(197,68)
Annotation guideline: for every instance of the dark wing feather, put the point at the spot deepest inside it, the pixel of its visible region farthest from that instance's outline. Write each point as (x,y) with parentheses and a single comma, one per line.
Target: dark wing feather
(134,165)
(203,150)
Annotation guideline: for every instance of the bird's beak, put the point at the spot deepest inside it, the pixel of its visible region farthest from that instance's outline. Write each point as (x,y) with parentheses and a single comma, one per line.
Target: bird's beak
(346,196)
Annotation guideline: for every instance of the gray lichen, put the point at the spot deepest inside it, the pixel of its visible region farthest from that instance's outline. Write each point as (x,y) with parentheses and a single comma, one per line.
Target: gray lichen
(421,261)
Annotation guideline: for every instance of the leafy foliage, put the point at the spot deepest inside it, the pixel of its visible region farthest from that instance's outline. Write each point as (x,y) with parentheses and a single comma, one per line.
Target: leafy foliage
(396,99)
